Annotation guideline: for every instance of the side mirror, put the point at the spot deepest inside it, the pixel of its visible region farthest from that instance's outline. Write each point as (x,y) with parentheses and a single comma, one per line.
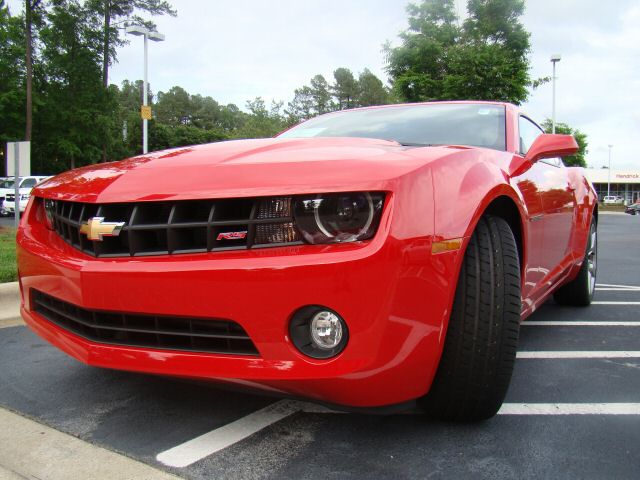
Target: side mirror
(545,146)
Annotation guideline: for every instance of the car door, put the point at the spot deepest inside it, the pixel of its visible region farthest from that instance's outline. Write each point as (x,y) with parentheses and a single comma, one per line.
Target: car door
(527,183)
(558,205)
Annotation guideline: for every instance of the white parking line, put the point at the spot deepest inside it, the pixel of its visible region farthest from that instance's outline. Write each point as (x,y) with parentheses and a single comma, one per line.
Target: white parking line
(624,287)
(554,323)
(615,303)
(616,289)
(190,452)
(580,354)
(570,409)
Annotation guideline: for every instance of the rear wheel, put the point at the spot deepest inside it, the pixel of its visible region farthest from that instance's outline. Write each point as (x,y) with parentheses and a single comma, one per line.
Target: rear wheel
(579,292)
(482,336)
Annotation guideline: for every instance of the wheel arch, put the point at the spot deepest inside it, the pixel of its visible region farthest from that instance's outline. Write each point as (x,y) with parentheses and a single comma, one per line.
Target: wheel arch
(505,207)
(505,203)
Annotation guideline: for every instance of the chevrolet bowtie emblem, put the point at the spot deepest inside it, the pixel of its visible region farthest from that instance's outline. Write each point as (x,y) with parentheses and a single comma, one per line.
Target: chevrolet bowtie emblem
(95,228)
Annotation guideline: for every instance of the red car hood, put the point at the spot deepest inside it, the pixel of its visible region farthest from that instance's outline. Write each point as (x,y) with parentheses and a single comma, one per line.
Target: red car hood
(244,168)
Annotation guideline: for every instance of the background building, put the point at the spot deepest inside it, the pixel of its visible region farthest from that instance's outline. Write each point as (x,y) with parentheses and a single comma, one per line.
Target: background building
(624,183)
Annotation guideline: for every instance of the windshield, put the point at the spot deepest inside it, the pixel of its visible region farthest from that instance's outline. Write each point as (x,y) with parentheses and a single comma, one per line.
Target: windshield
(7,184)
(478,125)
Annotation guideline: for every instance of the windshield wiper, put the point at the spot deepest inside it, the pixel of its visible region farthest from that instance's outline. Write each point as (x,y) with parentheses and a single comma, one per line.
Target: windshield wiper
(412,144)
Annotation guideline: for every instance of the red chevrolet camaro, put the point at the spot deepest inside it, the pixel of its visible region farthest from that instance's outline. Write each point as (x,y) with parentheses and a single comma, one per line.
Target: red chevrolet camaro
(364,258)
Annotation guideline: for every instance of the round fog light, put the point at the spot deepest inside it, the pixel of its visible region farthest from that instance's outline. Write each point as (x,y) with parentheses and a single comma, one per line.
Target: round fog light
(318,332)
(326,330)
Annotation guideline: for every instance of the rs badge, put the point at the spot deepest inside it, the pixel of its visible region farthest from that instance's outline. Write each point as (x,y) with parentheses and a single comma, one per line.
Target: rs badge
(95,228)
(232,235)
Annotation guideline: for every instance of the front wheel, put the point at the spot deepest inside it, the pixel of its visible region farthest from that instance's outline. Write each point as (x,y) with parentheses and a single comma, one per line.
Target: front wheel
(579,291)
(482,336)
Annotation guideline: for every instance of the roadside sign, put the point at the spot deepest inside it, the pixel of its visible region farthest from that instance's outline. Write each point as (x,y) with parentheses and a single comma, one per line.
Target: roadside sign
(18,164)
(24,158)
(145,112)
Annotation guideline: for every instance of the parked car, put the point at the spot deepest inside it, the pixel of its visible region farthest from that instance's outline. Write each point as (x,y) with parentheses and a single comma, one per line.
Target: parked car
(7,193)
(613,200)
(364,258)
(633,209)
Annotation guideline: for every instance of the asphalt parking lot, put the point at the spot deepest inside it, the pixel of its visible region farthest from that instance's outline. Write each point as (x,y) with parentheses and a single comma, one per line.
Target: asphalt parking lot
(7,221)
(572,411)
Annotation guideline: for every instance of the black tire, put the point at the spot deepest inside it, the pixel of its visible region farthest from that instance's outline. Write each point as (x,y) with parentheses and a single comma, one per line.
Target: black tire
(482,337)
(579,291)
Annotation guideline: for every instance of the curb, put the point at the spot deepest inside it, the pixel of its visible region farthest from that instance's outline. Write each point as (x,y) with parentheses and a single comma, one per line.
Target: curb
(9,300)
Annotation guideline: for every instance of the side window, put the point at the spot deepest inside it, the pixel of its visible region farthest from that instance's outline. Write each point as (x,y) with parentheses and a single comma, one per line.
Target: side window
(28,183)
(529,131)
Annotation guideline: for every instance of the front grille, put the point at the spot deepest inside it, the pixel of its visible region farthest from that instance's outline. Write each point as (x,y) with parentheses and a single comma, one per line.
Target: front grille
(187,226)
(10,197)
(149,331)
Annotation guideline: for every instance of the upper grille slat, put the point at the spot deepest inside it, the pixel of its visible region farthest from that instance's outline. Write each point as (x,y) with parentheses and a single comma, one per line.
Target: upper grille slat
(186,226)
(150,331)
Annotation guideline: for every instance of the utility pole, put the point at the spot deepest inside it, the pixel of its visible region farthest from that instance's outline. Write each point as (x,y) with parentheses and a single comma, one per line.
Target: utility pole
(145,111)
(554,59)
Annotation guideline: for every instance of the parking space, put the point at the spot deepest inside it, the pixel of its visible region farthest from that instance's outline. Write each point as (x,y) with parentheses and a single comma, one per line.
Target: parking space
(572,411)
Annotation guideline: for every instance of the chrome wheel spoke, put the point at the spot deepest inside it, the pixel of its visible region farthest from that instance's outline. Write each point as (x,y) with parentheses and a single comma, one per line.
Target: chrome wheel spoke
(592,259)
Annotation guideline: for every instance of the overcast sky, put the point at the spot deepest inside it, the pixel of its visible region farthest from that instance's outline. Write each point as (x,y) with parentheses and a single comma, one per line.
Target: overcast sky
(235,50)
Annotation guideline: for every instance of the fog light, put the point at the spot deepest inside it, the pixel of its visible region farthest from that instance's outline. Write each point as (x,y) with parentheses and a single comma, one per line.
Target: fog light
(326,330)
(318,332)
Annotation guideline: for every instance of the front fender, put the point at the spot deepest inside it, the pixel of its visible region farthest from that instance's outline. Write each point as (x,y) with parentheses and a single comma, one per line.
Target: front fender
(464,188)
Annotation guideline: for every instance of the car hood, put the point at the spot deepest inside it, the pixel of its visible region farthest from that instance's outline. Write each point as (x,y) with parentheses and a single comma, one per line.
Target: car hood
(244,168)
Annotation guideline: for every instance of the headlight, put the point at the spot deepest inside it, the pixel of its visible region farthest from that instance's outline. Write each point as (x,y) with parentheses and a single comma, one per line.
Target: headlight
(338,217)
(24,196)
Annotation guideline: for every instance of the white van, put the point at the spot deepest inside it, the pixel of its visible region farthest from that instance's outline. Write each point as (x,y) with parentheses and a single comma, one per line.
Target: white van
(613,200)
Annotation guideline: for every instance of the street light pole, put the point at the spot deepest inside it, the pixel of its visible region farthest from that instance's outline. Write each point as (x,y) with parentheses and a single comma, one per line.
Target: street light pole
(554,59)
(156,37)
(609,173)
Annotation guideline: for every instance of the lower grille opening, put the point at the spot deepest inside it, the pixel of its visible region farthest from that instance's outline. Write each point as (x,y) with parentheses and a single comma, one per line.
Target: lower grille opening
(149,331)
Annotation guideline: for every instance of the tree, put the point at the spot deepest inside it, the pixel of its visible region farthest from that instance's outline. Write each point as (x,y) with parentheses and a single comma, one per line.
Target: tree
(302,106)
(33,9)
(174,107)
(577,160)
(12,76)
(263,122)
(321,95)
(484,59)
(309,101)
(114,12)
(371,90)
(345,88)
(419,66)
(79,111)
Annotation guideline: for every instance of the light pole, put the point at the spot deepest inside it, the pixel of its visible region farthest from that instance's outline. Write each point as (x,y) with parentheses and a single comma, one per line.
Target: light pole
(554,59)
(609,173)
(145,112)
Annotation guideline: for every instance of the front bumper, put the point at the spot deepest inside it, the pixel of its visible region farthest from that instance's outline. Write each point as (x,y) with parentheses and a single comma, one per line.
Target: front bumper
(394,295)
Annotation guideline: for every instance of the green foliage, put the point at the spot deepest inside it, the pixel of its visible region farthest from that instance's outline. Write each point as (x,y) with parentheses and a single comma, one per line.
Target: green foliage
(79,110)
(485,58)
(577,160)
(345,88)
(12,93)
(371,90)
(78,118)
(8,266)
(346,92)
(263,122)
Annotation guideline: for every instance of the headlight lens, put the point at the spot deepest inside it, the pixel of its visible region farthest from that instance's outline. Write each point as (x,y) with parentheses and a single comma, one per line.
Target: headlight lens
(338,217)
